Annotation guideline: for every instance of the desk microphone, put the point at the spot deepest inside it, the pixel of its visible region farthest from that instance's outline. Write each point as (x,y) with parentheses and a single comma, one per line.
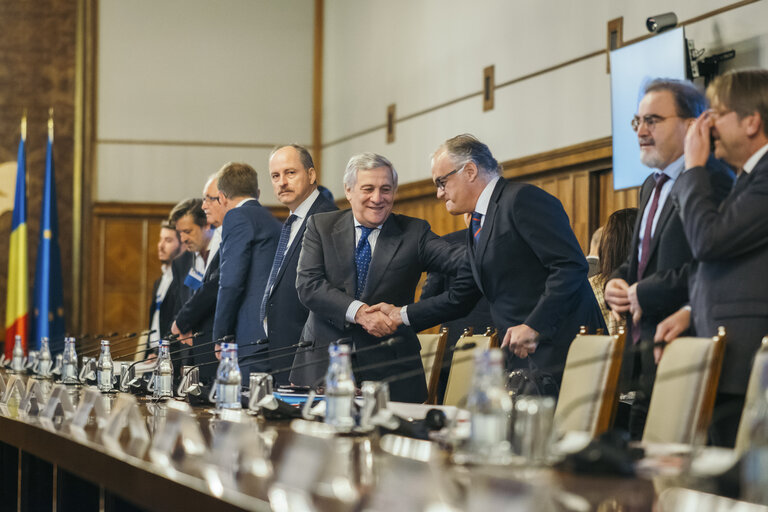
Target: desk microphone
(301,344)
(191,336)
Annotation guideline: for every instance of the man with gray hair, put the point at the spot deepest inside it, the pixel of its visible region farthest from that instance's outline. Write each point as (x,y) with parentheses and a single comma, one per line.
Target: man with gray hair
(354,258)
(249,238)
(522,255)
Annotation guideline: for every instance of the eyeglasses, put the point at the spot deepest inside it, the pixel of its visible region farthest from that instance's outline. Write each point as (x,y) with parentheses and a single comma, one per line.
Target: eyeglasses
(210,199)
(440,181)
(717,114)
(650,121)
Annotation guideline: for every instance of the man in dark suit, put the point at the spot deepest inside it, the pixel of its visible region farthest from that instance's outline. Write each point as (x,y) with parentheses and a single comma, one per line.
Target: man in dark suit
(294,180)
(729,239)
(653,282)
(249,239)
(355,258)
(479,319)
(164,292)
(199,306)
(522,255)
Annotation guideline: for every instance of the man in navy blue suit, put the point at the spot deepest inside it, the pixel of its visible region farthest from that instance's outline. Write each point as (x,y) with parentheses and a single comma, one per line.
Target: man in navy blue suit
(294,180)
(522,255)
(249,239)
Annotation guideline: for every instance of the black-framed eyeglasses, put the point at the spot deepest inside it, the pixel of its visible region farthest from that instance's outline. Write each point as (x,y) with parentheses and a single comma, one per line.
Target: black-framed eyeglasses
(441,180)
(650,121)
(210,199)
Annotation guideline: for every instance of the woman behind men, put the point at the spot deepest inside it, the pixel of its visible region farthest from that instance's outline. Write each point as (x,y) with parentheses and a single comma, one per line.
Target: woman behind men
(613,251)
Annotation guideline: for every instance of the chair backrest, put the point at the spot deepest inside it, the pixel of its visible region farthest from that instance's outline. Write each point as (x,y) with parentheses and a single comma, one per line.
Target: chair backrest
(588,393)
(432,351)
(753,388)
(684,392)
(463,365)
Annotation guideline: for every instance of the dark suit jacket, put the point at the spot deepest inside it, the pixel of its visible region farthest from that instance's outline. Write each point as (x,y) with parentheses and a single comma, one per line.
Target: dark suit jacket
(730,242)
(197,312)
(529,266)
(326,286)
(285,314)
(249,239)
(664,286)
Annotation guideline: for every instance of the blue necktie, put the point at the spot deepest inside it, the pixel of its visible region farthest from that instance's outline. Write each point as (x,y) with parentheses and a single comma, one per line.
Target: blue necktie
(475,226)
(362,260)
(282,246)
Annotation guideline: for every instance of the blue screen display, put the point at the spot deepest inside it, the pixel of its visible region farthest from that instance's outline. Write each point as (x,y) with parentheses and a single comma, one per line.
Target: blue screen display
(632,68)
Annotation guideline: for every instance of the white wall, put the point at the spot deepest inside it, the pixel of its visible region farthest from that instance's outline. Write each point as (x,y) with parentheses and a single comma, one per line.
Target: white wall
(418,54)
(187,85)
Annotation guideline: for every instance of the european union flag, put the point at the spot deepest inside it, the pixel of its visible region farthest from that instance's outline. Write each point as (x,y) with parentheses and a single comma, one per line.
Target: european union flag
(49,300)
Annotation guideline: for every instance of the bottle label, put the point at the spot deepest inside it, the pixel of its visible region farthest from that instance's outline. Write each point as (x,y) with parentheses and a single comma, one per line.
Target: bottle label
(104,380)
(228,396)
(163,385)
(489,429)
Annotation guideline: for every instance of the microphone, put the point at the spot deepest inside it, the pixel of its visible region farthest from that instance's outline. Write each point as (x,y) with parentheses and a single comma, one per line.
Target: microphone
(386,343)
(301,344)
(122,339)
(192,336)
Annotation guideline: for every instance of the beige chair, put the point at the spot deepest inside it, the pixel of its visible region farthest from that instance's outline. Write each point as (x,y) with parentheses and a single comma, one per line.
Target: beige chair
(684,392)
(588,393)
(753,388)
(463,365)
(432,351)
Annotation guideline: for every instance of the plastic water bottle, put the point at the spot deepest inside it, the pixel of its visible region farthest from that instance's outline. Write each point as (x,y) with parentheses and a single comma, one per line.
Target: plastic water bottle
(339,389)
(163,373)
(228,379)
(17,361)
(69,363)
(44,361)
(104,368)
(490,406)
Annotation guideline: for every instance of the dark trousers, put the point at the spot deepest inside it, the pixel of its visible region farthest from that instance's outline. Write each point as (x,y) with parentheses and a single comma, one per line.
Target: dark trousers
(725,419)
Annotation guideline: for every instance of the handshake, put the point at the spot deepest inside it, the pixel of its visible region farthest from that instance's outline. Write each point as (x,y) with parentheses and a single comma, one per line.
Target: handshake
(379,320)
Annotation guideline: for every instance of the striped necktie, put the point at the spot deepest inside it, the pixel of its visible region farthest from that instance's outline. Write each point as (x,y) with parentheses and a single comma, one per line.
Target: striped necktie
(475,225)
(282,246)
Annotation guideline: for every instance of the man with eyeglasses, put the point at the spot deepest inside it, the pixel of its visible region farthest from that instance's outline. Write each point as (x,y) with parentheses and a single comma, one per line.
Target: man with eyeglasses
(521,254)
(199,306)
(729,240)
(653,282)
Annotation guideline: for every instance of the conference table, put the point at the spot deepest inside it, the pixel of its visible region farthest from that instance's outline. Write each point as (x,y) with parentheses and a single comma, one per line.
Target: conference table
(128,453)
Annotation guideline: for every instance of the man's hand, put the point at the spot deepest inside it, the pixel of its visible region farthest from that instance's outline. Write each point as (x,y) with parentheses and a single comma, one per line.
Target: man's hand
(521,340)
(175,329)
(186,338)
(393,312)
(617,297)
(634,304)
(375,322)
(217,351)
(151,357)
(698,141)
(669,329)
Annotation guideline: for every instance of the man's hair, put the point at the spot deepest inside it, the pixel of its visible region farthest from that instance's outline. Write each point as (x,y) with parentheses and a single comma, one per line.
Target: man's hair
(366,162)
(166,224)
(467,148)
(690,101)
(743,91)
(193,207)
(237,180)
(304,156)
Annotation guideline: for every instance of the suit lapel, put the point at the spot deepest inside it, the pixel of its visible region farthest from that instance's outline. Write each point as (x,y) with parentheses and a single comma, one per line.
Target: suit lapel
(387,244)
(490,220)
(664,216)
(343,240)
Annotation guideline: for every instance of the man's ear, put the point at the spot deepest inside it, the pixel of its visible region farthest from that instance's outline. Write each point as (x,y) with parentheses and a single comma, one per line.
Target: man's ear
(312,176)
(753,124)
(471,171)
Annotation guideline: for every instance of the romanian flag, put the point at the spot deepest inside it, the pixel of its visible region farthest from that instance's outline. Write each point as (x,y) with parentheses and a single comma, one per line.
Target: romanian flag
(17,301)
(49,302)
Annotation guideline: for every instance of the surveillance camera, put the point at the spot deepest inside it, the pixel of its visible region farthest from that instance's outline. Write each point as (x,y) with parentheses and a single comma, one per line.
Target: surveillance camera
(661,22)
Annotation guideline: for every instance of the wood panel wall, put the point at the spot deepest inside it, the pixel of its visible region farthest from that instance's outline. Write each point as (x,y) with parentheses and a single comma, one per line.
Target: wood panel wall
(37,72)
(123,255)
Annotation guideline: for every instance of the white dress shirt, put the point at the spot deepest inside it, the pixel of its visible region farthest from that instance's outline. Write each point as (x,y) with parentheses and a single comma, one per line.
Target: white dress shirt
(673,170)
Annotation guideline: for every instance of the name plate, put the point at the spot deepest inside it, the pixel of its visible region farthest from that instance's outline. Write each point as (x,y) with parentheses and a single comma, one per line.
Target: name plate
(125,415)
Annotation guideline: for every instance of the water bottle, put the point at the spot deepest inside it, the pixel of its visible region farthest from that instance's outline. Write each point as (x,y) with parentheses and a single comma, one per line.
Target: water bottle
(17,361)
(69,363)
(104,368)
(490,406)
(339,389)
(228,379)
(44,362)
(163,373)
(754,476)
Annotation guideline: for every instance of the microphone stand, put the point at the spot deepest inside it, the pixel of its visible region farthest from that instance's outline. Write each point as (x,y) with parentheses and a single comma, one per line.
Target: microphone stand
(123,339)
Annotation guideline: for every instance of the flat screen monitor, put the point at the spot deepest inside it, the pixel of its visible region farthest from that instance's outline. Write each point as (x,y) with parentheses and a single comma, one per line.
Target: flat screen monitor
(632,68)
